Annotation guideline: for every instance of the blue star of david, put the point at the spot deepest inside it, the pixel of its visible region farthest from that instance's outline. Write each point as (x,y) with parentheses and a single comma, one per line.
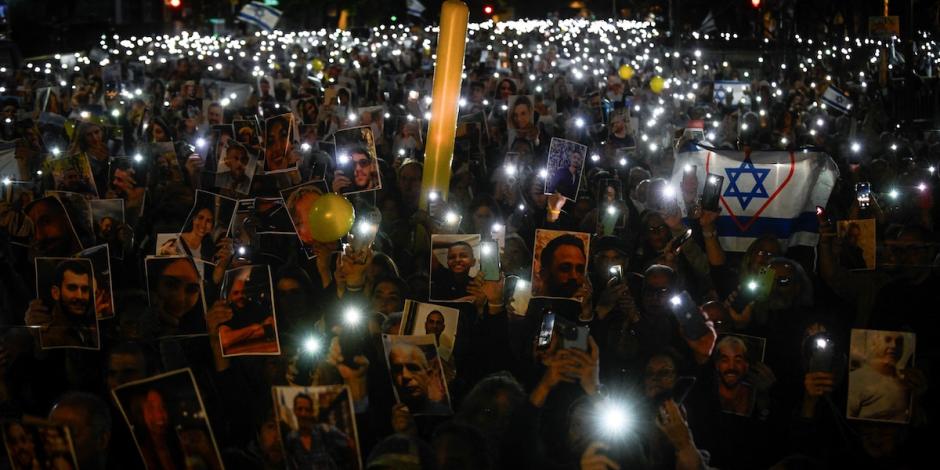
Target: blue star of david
(758,191)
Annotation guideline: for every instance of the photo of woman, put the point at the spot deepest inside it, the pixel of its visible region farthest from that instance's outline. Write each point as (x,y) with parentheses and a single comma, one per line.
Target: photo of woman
(208,222)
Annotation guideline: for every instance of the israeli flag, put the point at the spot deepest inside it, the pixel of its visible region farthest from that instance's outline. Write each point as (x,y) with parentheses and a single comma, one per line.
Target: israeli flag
(260,15)
(836,99)
(415,8)
(764,192)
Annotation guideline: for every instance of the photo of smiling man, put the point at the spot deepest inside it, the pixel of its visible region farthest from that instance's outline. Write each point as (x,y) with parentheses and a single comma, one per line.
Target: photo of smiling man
(356,166)
(64,313)
(454,265)
(733,356)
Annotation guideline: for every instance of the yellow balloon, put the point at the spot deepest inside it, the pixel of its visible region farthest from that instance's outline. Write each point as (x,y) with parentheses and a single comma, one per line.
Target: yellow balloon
(657,84)
(330,217)
(317,65)
(625,72)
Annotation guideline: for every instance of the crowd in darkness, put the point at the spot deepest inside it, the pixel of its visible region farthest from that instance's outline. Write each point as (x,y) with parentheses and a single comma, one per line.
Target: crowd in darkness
(181,132)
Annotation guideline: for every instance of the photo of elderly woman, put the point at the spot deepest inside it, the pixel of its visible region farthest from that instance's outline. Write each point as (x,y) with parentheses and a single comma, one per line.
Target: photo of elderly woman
(208,222)
(454,265)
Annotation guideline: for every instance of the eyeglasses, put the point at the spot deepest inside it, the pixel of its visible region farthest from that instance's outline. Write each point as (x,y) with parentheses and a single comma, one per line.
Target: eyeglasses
(364,163)
(175,283)
(657,228)
(765,253)
(784,281)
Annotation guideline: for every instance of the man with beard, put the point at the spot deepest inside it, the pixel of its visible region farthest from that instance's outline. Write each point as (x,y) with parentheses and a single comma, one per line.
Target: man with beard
(316,444)
(238,177)
(877,390)
(736,395)
(566,179)
(105,228)
(72,320)
(53,235)
(451,282)
(363,173)
(412,375)
(563,263)
(22,447)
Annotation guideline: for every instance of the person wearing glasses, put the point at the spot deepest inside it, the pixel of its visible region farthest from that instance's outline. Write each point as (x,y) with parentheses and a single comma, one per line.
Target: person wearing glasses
(362,169)
(176,296)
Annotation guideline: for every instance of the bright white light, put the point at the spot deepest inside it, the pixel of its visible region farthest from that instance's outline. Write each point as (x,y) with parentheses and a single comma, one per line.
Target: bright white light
(352,316)
(305,147)
(595,157)
(752,285)
(579,123)
(115,112)
(511,169)
(7,181)
(894,193)
(820,122)
(856,147)
(894,146)
(676,300)
(242,251)
(486,249)
(687,168)
(669,191)
(712,180)
(521,207)
(225,102)
(821,343)
(451,218)
(138,157)
(433,195)
(611,210)
(363,228)
(615,420)
(922,187)
(56,151)
(543,173)
(312,345)
(343,159)
(497,227)
(200,142)
(83,114)
(623,162)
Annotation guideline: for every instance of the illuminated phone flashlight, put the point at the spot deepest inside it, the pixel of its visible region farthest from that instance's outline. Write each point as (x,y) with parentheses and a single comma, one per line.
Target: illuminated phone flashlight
(752,285)
(56,151)
(743,126)
(402,152)
(675,300)
(614,270)
(352,316)
(611,210)
(115,112)
(225,102)
(653,146)
(462,102)
(504,108)
(822,343)
(522,284)
(364,228)
(38,172)
(579,122)
(200,142)
(312,345)
(894,147)
(496,228)
(543,173)
(932,169)
(433,195)
(510,169)
(486,249)
(343,159)
(242,251)
(712,180)
(922,187)
(687,168)
(894,194)
(856,147)
(784,141)
(614,418)
(595,157)
(451,218)
(7,181)
(669,192)
(305,147)
(138,157)
(521,207)
(352,117)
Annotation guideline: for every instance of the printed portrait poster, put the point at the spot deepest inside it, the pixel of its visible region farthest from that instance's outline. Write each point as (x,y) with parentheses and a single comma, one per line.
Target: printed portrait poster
(34,444)
(236,168)
(564,166)
(278,136)
(299,199)
(455,262)
(78,208)
(169,406)
(66,288)
(107,217)
(877,360)
(101,265)
(559,263)
(208,222)
(324,418)
(246,134)
(257,216)
(521,122)
(419,318)
(611,213)
(357,164)
(17,195)
(417,374)
(252,330)
(166,162)
(734,355)
(858,244)
(175,292)
(72,174)
(52,211)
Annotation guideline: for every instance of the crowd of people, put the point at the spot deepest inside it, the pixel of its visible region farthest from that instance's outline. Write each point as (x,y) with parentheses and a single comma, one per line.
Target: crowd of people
(161,270)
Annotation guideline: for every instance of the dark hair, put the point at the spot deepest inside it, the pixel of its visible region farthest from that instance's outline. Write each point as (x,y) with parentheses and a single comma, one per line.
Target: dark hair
(460,244)
(98,414)
(303,396)
(73,265)
(548,253)
(238,148)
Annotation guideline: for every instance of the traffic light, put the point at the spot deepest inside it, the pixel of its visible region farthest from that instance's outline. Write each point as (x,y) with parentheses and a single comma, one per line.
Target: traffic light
(487,10)
(755,4)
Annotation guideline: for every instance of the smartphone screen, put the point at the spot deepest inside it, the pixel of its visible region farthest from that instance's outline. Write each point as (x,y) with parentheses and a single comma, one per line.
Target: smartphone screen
(712,192)
(863,194)
(820,356)
(545,331)
(489,262)
(616,274)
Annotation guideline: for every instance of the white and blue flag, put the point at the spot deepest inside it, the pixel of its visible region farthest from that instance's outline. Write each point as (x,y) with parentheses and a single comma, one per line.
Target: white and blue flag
(260,15)
(836,99)
(772,192)
(415,8)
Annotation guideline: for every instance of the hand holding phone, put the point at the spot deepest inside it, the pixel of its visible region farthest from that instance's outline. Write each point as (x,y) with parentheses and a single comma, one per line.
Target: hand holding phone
(489,260)
(711,193)
(863,194)
(689,316)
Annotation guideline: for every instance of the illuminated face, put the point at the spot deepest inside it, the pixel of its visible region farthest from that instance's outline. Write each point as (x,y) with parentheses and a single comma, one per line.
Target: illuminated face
(888,347)
(178,288)
(363,169)
(410,372)
(566,271)
(202,223)
(74,294)
(215,115)
(154,413)
(460,259)
(732,363)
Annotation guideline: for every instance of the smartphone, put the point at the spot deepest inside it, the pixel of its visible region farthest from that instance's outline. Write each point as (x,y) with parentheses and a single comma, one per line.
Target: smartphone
(821,354)
(489,260)
(363,234)
(712,192)
(609,220)
(545,331)
(688,314)
(616,274)
(242,251)
(681,239)
(863,194)
(572,336)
